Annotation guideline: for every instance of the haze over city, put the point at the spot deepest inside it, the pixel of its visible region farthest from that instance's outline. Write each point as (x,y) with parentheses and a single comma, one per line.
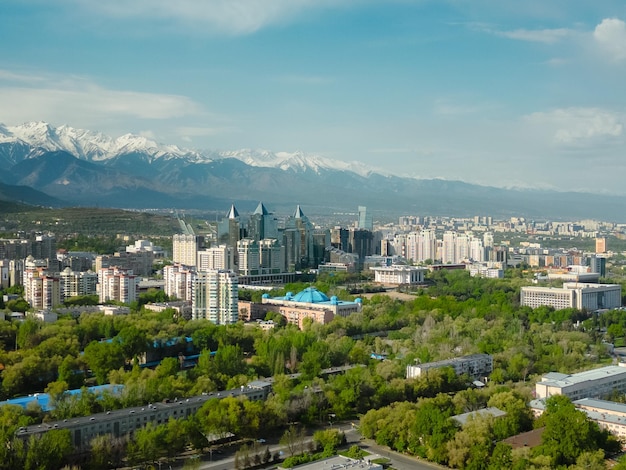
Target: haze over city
(495,93)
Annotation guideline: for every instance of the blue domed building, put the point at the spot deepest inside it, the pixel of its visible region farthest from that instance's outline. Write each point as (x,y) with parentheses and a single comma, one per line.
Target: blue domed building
(310,303)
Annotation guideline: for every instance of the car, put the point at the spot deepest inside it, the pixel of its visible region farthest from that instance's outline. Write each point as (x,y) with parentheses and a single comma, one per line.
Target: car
(261,441)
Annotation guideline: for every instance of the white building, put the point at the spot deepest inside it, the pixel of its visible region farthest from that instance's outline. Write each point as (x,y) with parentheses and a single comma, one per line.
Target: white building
(608,415)
(217,257)
(179,281)
(75,283)
(398,275)
(573,295)
(474,365)
(117,284)
(595,383)
(215,296)
(185,249)
(42,291)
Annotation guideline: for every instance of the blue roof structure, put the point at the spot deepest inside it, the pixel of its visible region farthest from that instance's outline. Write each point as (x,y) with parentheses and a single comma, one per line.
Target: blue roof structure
(43,399)
(310,295)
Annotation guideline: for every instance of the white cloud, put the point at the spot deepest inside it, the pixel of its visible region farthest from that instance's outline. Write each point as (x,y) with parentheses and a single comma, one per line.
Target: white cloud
(610,36)
(579,126)
(72,99)
(226,16)
(548,36)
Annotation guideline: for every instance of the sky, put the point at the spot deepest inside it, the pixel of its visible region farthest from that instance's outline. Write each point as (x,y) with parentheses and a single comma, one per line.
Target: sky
(503,93)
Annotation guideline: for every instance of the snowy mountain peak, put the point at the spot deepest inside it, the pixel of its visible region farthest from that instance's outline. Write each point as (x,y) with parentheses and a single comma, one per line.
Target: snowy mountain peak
(98,147)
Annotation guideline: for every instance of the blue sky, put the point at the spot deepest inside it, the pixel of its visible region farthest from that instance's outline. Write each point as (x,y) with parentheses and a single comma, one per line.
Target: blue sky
(495,92)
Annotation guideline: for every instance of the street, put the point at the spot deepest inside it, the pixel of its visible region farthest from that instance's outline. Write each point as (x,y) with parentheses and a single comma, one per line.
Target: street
(226,460)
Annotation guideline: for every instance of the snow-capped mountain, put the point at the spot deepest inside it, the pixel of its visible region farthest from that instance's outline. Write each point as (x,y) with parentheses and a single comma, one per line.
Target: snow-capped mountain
(98,147)
(81,167)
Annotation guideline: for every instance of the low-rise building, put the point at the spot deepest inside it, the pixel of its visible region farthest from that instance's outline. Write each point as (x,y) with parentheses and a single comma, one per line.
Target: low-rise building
(474,365)
(581,296)
(595,383)
(397,275)
(310,303)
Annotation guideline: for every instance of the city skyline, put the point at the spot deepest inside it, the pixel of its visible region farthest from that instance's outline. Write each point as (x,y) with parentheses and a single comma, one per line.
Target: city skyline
(492,93)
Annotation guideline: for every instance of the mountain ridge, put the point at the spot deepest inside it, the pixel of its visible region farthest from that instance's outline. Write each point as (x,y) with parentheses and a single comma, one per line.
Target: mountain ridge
(88,168)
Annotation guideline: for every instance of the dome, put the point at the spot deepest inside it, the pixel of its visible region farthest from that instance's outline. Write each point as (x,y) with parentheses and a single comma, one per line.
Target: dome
(265,296)
(310,295)
(358,300)
(334,300)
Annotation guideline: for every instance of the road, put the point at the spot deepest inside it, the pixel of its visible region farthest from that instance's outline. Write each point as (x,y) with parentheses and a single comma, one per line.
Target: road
(226,460)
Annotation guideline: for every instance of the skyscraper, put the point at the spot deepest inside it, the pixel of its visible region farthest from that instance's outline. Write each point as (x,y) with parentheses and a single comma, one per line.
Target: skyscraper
(262,224)
(365,219)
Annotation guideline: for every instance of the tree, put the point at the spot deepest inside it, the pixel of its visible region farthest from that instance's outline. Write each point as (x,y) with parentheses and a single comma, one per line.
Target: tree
(568,432)
(48,450)
(329,440)
(103,357)
(293,439)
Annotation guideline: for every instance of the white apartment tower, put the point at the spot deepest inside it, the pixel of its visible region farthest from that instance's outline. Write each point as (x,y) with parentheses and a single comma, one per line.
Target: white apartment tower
(215,297)
(179,281)
(185,249)
(75,283)
(217,257)
(117,284)
(448,248)
(42,291)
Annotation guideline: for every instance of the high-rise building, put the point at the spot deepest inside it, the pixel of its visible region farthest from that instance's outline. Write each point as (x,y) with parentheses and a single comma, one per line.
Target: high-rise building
(229,229)
(298,253)
(42,291)
(249,257)
(360,242)
(117,284)
(365,219)
(215,297)
(179,281)
(75,283)
(339,238)
(600,245)
(185,249)
(271,256)
(262,224)
(217,257)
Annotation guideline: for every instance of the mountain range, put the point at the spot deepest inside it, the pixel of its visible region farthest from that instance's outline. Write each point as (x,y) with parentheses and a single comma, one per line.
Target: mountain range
(67,166)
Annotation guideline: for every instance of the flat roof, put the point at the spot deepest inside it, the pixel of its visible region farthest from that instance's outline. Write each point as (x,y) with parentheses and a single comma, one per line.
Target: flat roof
(602,404)
(581,377)
(491,411)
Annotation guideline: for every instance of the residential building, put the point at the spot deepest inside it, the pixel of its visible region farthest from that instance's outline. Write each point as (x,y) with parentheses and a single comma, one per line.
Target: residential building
(476,366)
(214,297)
(185,249)
(117,284)
(75,283)
(179,281)
(216,257)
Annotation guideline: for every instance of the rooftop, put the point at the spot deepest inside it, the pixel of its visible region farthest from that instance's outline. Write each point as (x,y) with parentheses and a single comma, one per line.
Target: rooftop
(554,379)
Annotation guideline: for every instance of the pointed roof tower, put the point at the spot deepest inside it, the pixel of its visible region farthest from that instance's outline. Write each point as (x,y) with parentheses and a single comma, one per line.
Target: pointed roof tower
(232,213)
(261,210)
(298,214)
